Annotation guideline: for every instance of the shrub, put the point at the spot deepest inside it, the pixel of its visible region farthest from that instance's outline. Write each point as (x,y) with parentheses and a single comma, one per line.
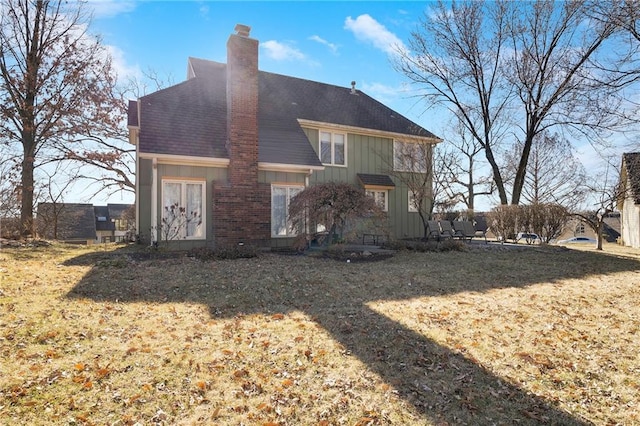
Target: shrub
(224,253)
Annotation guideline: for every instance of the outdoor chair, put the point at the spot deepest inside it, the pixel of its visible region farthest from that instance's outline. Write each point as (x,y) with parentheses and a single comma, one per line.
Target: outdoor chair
(480,228)
(464,229)
(448,231)
(433,230)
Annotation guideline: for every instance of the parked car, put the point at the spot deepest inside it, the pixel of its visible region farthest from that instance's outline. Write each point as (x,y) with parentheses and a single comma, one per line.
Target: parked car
(529,237)
(576,240)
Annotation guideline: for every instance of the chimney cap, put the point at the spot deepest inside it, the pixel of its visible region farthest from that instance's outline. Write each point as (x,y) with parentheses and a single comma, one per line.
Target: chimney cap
(242,30)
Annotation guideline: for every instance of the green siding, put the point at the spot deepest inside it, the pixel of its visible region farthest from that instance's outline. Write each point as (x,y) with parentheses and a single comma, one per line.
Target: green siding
(371,154)
(281,177)
(365,154)
(144,199)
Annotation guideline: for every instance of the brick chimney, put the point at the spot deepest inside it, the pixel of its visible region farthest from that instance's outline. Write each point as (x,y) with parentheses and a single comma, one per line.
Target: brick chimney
(242,106)
(241,204)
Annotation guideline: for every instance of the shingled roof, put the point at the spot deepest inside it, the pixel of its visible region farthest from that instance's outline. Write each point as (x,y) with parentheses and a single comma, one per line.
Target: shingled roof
(190,118)
(631,163)
(73,221)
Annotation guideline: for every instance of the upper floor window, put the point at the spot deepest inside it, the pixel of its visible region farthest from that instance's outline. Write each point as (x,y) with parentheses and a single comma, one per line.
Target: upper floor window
(333,148)
(411,156)
(121,224)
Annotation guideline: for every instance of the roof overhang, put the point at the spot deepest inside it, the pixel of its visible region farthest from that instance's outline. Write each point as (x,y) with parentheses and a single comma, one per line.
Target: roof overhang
(293,168)
(376,182)
(368,132)
(185,160)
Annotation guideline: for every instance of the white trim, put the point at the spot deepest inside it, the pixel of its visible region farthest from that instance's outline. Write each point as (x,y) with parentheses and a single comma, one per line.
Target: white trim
(186,160)
(287,186)
(364,131)
(281,167)
(332,135)
(154,200)
(203,207)
(372,192)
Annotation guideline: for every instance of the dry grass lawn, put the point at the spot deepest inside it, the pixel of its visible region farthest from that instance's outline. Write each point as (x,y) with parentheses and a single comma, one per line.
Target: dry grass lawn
(522,336)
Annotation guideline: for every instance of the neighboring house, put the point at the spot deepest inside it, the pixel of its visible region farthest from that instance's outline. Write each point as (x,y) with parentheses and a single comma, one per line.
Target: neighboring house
(83,223)
(232,145)
(629,202)
(67,222)
(578,228)
(111,223)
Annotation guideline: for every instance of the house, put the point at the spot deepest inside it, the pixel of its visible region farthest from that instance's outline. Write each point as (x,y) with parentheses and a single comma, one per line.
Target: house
(629,201)
(578,228)
(69,222)
(83,223)
(220,155)
(112,224)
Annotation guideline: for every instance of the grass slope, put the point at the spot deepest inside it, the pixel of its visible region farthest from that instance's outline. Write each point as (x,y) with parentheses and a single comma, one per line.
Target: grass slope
(520,336)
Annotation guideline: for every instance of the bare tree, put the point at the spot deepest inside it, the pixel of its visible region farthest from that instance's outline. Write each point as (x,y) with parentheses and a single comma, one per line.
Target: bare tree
(456,58)
(554,174)
(557,74)
(53,188)
(54,77)
(462,165)
(606,191)
(332,205)
(102,148)
(412,165)
(526,66)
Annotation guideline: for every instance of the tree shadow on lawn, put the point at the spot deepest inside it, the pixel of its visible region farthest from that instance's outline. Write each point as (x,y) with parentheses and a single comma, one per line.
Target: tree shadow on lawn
(443,385)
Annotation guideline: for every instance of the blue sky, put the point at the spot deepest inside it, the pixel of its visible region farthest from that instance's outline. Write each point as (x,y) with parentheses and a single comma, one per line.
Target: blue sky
(332,42)
(328,41)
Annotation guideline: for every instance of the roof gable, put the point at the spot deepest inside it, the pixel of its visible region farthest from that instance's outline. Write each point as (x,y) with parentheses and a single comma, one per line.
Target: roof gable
(73,221)
(189,119)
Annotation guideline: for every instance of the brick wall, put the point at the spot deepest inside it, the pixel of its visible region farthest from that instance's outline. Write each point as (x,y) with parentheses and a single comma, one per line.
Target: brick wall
(242,109)
(242,214)
(242,206)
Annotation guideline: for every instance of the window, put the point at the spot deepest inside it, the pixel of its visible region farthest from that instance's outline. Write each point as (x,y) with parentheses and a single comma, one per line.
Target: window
(280,198)
(121,224)
(411,156)
(183,210)
(579,229)
(381,198)
(412,202)
(333,148)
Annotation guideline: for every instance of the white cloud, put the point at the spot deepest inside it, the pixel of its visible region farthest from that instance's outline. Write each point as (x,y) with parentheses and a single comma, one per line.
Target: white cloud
(385,93)
(281,52)
(110,8)
(367,29)
(120,65)
(333,47)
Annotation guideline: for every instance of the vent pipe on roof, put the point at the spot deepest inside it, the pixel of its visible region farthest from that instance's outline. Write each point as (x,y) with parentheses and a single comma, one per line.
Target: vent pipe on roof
(353,87)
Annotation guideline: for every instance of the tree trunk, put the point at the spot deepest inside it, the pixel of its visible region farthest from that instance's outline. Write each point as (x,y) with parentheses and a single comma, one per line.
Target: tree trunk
(26,196)
(518,182)
(599,233)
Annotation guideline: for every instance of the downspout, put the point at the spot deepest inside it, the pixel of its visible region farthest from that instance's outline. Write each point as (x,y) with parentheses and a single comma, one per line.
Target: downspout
(154,201)
(307,226)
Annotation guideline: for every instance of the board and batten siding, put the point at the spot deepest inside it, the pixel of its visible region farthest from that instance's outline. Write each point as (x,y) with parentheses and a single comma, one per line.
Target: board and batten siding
(630,223)
(172,171)
(373,155)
